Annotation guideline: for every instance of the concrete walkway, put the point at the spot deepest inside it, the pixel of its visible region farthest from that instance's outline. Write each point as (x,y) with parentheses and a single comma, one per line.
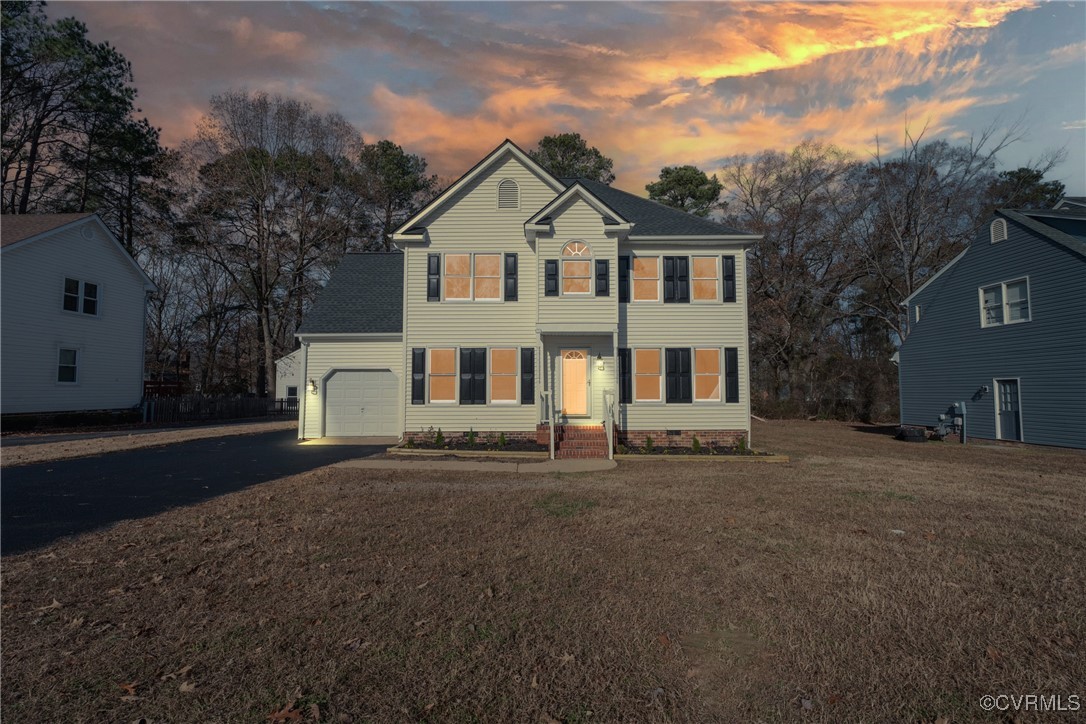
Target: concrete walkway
(486,466)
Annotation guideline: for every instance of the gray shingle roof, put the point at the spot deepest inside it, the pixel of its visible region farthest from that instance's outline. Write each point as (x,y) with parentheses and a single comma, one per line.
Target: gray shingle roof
(1033,219)
(16,227)
(651,218)
(363,296)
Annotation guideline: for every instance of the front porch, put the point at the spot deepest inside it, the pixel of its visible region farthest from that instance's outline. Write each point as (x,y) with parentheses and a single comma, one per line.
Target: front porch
(580,378)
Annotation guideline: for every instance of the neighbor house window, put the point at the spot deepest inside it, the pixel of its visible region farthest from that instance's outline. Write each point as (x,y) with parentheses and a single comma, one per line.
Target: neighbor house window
(67,365)
(706,274)
(442,375)
(648,375)
(1006,303)
(646,275)
(473,276)
(292,392)
(707,375)
(80,296)
(503,375)
(576,268)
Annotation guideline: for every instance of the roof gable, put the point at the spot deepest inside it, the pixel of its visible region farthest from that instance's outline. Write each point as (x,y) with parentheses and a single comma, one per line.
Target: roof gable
(542,219)
(410,231)
(19,230)
(364,295)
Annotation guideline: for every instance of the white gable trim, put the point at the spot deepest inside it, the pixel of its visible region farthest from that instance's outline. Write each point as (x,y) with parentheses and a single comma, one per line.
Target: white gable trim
(577,189)
(148,285)
(506,146)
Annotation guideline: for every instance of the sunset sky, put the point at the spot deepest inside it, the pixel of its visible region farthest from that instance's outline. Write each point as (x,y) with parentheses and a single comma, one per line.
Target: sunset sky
(649,84)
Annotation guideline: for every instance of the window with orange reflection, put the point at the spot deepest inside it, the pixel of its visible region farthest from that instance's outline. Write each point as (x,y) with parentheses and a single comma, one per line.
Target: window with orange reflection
(442,375)
(647,375)
(503,375)
(646,278)
(488,276)
(705,278)
(707,375)
(458,276)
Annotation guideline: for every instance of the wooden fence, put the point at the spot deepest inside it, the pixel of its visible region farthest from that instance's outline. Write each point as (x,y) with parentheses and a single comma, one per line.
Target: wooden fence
(195,408)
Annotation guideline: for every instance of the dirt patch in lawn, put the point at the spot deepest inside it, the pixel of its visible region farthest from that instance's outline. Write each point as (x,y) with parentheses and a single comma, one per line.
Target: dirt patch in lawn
(45,451)
(869,580)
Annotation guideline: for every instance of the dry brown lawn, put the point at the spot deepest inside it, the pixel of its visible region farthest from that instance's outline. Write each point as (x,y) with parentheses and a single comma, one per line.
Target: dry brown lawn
(657,591)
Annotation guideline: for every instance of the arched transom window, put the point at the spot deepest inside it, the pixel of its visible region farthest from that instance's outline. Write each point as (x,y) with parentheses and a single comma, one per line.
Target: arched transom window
(508,194)
(576,268)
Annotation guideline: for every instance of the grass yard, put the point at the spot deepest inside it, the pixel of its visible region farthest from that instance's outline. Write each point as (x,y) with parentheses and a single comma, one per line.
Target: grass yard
(672,590)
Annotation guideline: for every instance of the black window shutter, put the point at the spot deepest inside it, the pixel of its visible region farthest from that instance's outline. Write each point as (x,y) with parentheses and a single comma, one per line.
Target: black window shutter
(433,277)
(603,277)
(550,269)
(467,369)
(479,381)
(679,383)
(669,279)
(418,376)
(625,386)
(682,279)
(527,375)
(624,279)
(510,277)
(731,374)
(729,278)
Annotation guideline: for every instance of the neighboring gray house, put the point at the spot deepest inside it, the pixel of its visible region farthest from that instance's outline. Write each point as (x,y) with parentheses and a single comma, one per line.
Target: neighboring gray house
(1002,328)
(1071,203)
(74,310)
(519,298)
(288,375)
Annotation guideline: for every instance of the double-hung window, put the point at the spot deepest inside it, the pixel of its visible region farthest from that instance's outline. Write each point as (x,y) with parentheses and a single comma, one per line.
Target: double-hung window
(80,296)
(503,375)
(576,268)
(706,375)
(646,278)
(68,365)
(706,278)
(442,375)
(473,276)
(648,375)
(1004,303)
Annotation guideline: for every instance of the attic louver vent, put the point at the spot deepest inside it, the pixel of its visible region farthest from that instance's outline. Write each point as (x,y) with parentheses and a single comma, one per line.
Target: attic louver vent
(508,194)
(999,230)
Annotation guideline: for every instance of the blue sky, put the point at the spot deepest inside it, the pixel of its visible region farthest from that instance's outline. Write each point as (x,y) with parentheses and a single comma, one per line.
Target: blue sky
(650,84)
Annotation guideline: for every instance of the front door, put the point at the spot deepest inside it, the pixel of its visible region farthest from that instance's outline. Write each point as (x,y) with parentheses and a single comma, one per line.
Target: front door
(574,382)
(1010,413)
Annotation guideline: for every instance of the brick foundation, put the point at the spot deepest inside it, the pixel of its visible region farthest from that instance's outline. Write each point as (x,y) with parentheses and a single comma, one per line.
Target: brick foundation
(684,438)
(427,436)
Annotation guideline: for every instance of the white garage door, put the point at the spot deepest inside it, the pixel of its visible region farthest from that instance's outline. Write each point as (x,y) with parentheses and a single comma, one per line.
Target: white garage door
(361,403)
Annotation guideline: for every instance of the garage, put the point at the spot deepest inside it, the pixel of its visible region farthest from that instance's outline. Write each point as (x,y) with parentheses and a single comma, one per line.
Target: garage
(361,403)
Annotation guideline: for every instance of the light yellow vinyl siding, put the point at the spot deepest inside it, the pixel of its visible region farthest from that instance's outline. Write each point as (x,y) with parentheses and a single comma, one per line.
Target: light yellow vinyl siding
(110,357)
(599,381)
(324,357)
(717,325)
(576,219)
(471,222)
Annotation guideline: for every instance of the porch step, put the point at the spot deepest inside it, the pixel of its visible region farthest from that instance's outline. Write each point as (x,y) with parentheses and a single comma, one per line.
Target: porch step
(580,441)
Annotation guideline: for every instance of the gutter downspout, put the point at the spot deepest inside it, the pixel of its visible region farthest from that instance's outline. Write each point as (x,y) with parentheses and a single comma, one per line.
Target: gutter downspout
(405,389)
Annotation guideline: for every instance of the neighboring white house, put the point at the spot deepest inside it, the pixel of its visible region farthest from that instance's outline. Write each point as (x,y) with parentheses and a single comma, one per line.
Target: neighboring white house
(288,373)
(73,316)
(518,298)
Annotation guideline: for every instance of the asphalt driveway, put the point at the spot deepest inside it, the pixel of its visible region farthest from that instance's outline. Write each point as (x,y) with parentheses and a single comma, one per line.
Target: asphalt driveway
(46,501)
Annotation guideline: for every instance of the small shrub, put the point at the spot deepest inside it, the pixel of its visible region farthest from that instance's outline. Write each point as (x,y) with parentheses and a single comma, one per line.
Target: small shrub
(742,444)
(695,445)
(502,442)
(648,445)
(622,449)
(439,438)
(471,437)
(410,444)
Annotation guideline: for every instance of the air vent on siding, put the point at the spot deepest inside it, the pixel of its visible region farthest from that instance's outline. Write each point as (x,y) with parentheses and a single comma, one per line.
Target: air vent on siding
(999,230)
(508,194)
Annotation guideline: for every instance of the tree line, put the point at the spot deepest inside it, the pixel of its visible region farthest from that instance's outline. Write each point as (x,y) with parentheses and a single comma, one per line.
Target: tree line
(241,223)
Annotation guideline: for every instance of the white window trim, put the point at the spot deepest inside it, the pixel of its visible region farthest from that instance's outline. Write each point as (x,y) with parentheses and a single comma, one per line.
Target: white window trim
(633,371)
(490,374)
(659,279)
(694,376)
(78,349)
(82,296)
(718,299)
(1006,309)
(472,299)
(455,375)
(562,259)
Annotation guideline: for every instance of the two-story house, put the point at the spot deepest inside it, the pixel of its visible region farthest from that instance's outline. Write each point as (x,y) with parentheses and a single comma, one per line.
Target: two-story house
(1001,328)
(74,311)
(518,299)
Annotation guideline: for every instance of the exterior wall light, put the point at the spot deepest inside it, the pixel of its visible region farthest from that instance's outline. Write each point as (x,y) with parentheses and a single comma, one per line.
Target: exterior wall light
(312,386)
(599,362)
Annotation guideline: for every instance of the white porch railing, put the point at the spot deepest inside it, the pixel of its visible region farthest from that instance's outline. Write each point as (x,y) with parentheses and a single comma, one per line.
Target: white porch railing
(609,421)
(548,406)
